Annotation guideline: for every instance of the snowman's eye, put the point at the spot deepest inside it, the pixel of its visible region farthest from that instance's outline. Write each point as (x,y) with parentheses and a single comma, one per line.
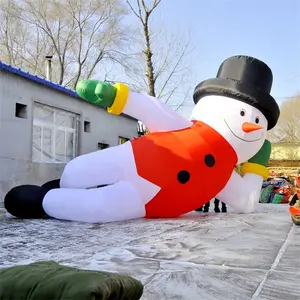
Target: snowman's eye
(257,120)
(242,112)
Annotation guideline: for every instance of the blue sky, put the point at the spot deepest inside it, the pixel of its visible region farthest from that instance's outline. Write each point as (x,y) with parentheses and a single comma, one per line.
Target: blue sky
(266,29)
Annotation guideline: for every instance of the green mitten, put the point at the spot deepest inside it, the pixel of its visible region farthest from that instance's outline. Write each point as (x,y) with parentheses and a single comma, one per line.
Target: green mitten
(97,92)
(106,92)
(263,155)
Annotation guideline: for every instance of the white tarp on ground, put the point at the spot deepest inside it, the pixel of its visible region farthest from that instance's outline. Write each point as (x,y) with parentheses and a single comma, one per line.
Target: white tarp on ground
(200,256)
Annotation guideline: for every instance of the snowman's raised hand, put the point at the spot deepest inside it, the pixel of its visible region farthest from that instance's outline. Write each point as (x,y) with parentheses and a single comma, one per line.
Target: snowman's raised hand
(257,164)
(113,98)
(152,112)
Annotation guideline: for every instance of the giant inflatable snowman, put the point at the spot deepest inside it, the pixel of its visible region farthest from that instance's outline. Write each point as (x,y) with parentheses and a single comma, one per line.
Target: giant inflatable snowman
(160,175)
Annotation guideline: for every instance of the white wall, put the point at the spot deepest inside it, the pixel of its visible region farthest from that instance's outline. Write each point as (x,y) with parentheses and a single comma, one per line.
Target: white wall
(16,165)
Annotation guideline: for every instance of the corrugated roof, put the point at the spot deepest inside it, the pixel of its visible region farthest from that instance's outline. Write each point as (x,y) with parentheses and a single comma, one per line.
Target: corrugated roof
(43,81)
(37,79)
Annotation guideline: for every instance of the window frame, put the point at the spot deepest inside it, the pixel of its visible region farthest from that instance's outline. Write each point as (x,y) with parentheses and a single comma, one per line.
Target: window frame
(104,144)
(123,137)
(54,128)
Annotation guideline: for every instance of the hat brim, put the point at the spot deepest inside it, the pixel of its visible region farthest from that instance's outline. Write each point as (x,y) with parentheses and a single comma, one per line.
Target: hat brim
(237,90)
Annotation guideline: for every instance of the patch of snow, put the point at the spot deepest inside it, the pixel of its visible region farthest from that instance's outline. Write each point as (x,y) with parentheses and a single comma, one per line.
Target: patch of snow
(208,256)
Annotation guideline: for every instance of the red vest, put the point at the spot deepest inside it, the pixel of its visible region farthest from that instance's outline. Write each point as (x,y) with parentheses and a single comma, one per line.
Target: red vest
(191,166)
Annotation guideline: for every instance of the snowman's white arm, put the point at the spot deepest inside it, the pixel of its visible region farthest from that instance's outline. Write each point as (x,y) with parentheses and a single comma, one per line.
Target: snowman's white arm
(242,193)
(154,113)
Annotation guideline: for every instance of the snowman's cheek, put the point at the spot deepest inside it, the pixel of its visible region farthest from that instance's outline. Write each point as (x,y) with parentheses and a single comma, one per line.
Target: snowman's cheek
(255,136)
(237,132)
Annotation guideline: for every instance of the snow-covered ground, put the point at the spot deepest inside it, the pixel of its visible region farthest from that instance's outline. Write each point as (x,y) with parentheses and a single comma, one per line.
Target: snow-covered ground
(199,256)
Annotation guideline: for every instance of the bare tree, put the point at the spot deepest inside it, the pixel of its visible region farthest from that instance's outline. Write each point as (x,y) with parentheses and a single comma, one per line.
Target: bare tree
(20,45)
(143,13)
(79,34)
(160,66)
(287,129)
(9,28)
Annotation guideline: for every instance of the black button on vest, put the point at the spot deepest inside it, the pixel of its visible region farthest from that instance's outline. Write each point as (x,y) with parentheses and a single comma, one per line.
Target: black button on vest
(183,176)
(209,160)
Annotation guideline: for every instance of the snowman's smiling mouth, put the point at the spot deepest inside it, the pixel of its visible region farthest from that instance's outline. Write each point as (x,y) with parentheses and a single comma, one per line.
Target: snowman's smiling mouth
(238,136)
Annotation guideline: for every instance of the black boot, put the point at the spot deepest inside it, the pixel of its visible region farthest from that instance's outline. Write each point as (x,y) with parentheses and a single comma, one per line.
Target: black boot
(26,201)
(206,207)
(217,208)
(224,208)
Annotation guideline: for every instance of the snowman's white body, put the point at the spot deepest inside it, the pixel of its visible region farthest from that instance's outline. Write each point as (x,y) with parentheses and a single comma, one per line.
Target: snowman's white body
(127,193)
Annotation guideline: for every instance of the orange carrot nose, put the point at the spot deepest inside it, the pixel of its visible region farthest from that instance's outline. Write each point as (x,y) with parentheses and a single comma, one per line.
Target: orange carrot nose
(249,127)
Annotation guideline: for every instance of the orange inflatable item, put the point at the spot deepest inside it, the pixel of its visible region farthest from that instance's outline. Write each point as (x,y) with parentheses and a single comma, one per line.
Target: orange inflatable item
(295,212)
(294,203)
(297,186)
(181,166)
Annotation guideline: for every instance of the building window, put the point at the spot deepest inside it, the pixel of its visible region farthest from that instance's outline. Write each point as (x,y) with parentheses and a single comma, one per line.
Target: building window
(122,140)
(55,134)
(87,126)
(102,146)
(21,111)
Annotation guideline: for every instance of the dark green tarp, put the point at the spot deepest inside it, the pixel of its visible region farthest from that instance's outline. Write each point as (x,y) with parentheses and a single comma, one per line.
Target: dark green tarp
(50,281)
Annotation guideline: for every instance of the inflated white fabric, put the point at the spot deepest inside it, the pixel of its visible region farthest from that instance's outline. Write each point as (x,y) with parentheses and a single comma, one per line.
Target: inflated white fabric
(242,193)
(116,202)
(101,167)
(119,201)
(154,113)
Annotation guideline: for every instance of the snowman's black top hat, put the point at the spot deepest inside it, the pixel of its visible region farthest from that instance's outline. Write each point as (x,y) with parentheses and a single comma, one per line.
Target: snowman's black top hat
(246,79)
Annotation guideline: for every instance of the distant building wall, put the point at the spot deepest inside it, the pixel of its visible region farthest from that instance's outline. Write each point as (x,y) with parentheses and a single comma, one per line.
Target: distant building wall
(286,151)
(41,129)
